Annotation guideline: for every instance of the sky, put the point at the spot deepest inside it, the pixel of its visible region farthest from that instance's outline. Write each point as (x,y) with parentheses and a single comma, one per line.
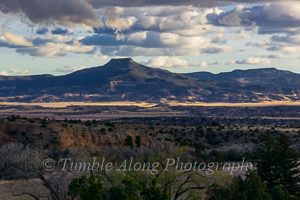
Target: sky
(61,36)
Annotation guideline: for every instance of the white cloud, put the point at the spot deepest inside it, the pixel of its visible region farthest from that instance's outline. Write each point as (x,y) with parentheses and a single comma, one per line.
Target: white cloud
(114,21)
(231,62)
(4,73)
(15,39)
(241,34)
(51,50)
(250,61)
(203,64)
(172,62)
(167,62)
(100,57)
(218,38)
(18,71)
(256,61)
(278,56)
(67,69)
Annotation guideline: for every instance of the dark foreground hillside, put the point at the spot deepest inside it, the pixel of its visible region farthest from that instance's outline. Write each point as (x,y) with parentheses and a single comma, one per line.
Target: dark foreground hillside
(146,161)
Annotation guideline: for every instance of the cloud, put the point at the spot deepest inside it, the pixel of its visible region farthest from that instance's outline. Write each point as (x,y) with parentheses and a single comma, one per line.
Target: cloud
(218,38)
(287,44)
(172,62)
(67,69)
(134,3)
(4,73)
(217,50)
(18,71)
(182,20)
(279,17)
(148,39)
(231,62)
(203,64)
(15,39)
(277,56)
(100,57)
(256,61)
(217,63)
(167,62)
(241,34)
(197,3)
(61,31)
(42,31)
(230,20)
(249,61)
(114,21)
(51,50)
(65,12)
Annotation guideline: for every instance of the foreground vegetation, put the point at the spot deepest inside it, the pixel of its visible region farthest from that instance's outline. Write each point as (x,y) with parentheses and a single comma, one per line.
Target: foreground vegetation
(273,149)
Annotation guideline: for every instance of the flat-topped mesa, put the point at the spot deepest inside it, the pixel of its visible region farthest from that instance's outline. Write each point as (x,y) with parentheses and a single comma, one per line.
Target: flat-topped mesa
(121,60)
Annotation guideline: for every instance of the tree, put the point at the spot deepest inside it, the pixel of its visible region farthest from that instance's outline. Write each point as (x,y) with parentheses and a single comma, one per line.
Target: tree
(255,188)
(265,160)
(277,164)
(44,123)
(138,141)
(278,194)
(87,188)
(88,123)
(129,141)
(252,188)
(287,166)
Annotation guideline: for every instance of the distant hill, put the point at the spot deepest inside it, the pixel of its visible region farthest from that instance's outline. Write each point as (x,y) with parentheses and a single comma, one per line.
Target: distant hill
(126,80)
(265,76)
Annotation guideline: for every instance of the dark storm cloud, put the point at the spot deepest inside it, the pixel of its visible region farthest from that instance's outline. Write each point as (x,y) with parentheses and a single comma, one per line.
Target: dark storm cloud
(65,12)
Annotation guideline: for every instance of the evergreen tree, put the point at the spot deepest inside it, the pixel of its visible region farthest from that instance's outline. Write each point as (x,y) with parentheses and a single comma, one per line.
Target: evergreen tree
(138,141)
(278,194)
(265,161)
(287,166)
(129,141)
(252,188)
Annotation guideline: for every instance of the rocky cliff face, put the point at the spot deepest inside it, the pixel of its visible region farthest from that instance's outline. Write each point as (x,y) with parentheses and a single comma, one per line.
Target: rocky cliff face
(77,136)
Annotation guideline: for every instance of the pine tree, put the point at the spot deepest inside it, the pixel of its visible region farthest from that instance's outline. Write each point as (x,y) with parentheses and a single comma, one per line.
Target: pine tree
(138,141)
(287,166)
(129,141)
(265,161)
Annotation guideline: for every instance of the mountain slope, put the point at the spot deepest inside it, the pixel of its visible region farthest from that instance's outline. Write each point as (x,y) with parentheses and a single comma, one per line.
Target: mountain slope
(266,76)
(126,80)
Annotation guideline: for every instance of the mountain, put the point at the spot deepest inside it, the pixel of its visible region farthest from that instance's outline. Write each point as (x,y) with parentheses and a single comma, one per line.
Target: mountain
(265,76)
(126,80)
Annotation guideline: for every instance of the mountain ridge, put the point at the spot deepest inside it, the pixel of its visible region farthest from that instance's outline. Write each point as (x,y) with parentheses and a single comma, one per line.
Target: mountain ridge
(126,80)
(260,76)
